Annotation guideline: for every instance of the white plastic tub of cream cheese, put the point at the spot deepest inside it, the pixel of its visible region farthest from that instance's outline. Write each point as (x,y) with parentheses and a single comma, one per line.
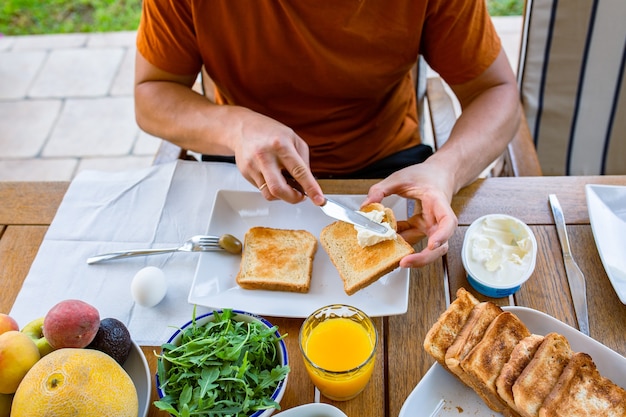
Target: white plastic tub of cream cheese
(499,254)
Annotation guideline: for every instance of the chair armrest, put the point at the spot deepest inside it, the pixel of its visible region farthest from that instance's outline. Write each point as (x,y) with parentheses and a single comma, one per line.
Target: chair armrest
(441,111)
(521,156)
(519,159)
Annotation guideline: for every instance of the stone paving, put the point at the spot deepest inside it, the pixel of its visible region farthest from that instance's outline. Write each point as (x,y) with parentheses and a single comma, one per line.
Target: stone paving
(66,104)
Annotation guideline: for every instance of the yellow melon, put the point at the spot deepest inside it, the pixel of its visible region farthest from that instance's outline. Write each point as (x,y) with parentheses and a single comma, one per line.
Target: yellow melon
(76,382)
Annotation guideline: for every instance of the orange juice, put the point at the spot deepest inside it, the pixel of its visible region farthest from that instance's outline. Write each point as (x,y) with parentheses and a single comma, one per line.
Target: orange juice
(339,353)
(339,345)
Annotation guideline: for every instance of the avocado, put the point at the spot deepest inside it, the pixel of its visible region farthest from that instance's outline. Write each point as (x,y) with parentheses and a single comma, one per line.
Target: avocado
(112,338)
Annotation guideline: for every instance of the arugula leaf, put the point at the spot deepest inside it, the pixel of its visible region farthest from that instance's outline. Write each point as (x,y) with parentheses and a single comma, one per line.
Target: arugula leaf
(222,368)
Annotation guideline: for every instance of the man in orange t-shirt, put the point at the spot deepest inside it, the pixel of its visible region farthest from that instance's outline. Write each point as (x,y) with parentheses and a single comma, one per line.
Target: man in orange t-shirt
(322,89)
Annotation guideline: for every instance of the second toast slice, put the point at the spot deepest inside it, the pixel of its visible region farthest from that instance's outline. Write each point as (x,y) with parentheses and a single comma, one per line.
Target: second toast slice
(485,361)
(541,374)
(449,324)
(470,335)
(582,391)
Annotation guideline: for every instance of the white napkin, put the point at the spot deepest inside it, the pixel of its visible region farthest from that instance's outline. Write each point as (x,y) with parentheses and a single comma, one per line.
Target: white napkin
(161,206)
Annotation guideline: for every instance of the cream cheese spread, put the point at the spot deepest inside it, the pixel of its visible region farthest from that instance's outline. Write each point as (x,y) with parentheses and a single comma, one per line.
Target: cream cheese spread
(366,237)
(499,251)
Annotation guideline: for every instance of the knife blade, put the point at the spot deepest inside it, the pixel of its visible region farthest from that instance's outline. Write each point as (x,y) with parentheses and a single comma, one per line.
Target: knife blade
(338,211)
(575,276)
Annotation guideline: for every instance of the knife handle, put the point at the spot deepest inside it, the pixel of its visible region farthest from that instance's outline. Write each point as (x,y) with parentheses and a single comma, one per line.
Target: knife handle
(291,181)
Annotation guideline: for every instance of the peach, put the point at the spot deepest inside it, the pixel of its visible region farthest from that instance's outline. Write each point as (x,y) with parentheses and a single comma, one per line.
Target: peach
(18,353)
(7,323)
(71,324)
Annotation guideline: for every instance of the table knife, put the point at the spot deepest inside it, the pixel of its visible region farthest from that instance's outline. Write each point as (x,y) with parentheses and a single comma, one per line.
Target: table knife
(575,276)
(338,211)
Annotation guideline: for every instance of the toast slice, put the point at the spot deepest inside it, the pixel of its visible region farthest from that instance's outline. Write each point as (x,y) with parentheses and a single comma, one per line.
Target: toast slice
(277,260)
(582,391)
(484,363)
(541,374)
(472,332)
(521,355)
(359,266)
(445,330)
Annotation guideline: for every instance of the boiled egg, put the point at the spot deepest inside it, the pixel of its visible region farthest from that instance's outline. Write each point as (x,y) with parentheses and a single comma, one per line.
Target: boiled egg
(148,286)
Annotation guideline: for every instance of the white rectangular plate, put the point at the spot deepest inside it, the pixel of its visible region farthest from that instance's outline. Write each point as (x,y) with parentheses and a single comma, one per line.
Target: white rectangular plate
(441,394)
(607,214)
(235,212)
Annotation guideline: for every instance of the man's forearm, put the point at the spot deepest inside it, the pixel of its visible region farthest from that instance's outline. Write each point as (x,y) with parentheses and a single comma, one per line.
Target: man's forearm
(481,134)
(489,120)
(178,114)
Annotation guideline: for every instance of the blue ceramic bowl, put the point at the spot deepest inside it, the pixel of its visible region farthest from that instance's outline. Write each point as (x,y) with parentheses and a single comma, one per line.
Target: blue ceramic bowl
(499,254)
(278,393)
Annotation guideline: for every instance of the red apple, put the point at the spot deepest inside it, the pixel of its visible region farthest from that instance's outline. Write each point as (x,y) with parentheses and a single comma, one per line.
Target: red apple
(7,323)
(71,324)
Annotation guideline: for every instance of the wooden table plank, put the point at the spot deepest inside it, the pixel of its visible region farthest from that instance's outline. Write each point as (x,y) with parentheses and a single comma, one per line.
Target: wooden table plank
(18,248)
(519,195)
(24,203)
(407,360)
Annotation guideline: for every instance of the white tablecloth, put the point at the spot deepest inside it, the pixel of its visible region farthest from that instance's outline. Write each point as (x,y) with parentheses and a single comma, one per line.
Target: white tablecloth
(161,206)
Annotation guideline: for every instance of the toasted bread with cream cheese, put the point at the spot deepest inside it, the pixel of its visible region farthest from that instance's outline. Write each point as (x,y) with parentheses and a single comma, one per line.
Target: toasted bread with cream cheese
(484,362)
(521,355)
(582,391)
(277,260)
(443,333)
(541,374)
(359,266)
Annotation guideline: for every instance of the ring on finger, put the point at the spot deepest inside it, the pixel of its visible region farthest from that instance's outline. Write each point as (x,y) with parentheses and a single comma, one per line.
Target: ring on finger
(264,185)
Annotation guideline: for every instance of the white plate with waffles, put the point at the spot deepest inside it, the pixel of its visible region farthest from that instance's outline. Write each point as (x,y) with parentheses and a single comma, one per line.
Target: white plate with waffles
(235,212)
(607,215)
(441,394)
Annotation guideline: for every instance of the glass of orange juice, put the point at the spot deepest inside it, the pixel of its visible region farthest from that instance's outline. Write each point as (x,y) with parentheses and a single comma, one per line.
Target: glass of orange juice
(338,343)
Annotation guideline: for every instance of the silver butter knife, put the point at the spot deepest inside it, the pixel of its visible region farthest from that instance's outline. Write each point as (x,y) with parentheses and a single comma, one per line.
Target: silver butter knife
(575,276)
(340,212)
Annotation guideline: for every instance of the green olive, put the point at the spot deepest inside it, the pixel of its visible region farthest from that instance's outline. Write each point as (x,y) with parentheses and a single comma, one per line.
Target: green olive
(230,243)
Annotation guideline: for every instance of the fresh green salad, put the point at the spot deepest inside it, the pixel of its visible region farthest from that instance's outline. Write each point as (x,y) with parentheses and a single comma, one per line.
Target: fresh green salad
(222,368)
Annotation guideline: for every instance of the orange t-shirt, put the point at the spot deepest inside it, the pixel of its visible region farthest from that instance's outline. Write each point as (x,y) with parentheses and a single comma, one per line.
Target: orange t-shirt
(336,72)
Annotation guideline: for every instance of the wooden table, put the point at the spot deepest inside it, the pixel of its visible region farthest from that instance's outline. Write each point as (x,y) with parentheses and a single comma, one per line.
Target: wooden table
(26,210)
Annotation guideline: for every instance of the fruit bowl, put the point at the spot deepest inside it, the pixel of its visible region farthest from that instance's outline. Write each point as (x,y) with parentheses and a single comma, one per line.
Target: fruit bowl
(137,368)
(227,347)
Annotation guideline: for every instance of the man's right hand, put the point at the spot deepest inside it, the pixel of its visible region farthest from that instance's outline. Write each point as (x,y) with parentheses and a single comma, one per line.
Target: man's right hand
(264,148)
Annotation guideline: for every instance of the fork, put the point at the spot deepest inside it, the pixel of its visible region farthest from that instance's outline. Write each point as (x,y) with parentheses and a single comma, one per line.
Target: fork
(199,243)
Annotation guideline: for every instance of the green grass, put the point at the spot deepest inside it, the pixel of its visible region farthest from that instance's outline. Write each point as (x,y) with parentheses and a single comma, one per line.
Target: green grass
(29,17)
(505,7)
